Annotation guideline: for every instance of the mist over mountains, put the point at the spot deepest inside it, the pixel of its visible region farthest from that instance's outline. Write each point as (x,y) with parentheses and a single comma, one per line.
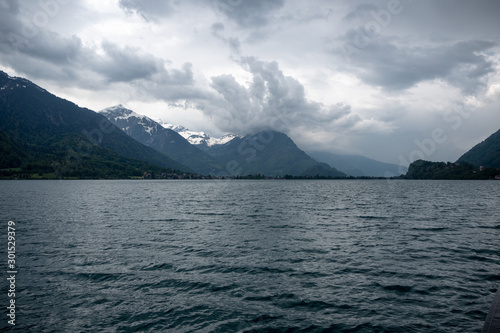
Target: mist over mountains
(43,134)
(52,137)
(267,152)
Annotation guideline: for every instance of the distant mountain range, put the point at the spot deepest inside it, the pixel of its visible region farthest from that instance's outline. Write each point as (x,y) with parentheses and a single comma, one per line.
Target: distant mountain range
(164,140)
(44,136)
(52,137)
(270,153)
(267,152)
(359,166)
(199,139)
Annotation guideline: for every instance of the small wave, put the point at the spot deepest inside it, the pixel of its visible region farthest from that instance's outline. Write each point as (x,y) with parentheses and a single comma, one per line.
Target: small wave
(262,318)
(100,277)
(260,216)
(268,298)
(495,227)
(430,228)
(311,305)
(491,277)
(372,217)
(282,226)
(183,285)
(210,214)
(397,288)
(164,220)
(157,267)
(354,270)
(315,251)
(486,251)
(480,258)
(308,275)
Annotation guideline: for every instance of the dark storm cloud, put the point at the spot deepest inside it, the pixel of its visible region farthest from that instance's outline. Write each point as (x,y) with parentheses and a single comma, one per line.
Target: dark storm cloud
(148,9)
(31,49)
(28,36)
(124,64)
(9,9)
(462,19)
(272,100)
(131,65)
(249,14)
(173,85)
(395,65)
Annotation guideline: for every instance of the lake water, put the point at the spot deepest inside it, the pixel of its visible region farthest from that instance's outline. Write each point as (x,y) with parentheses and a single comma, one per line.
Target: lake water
(252,256)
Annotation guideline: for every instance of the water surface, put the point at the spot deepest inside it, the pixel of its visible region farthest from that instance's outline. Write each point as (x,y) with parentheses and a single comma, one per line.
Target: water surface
(253,256)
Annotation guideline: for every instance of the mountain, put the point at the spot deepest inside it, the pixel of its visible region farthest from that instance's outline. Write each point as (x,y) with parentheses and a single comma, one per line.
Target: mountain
(421,169)
(164,140)
(486,153)
(481,162)
(358,166)
(47,134)
(11,154)
(269,153)
(200,140)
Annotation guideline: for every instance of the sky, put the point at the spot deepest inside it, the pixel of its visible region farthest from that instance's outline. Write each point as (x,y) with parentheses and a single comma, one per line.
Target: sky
(393,80)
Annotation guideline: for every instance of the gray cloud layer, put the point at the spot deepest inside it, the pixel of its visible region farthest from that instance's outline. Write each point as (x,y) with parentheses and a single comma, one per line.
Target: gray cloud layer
(249,14)
(276,52)
(34,50)
(394,64)
(148,9)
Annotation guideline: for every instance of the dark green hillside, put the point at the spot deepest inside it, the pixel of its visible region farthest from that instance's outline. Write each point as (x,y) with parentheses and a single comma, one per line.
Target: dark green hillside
(11,154)
(486,153)
(269,153)
(440,170)
(46,134)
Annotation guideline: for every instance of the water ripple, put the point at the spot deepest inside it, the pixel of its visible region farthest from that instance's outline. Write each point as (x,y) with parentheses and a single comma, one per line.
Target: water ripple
(250,256)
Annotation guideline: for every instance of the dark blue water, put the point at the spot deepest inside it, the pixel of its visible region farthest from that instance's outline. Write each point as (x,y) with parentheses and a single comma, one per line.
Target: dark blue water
(252,256)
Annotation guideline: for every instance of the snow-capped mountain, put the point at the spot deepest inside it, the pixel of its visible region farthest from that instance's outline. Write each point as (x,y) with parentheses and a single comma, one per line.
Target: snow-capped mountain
(129,121)
(199,139)
(166,141)
(276,158)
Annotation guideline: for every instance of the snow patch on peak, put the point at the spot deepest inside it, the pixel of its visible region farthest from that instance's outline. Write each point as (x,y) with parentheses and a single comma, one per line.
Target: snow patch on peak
(116,109)
(222,140)
(120,112)
(176,128)
(198,138)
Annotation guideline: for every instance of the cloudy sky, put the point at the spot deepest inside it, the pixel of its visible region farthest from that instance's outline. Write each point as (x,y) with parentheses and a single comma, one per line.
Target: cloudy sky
(394,80)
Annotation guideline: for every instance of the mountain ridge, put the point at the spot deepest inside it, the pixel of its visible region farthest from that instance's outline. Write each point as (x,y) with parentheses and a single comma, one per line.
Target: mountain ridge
(56,135)
(271,153)
(166,141)
(481,162)
(200,140)
(227,157)
(358,166)
(485,153)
